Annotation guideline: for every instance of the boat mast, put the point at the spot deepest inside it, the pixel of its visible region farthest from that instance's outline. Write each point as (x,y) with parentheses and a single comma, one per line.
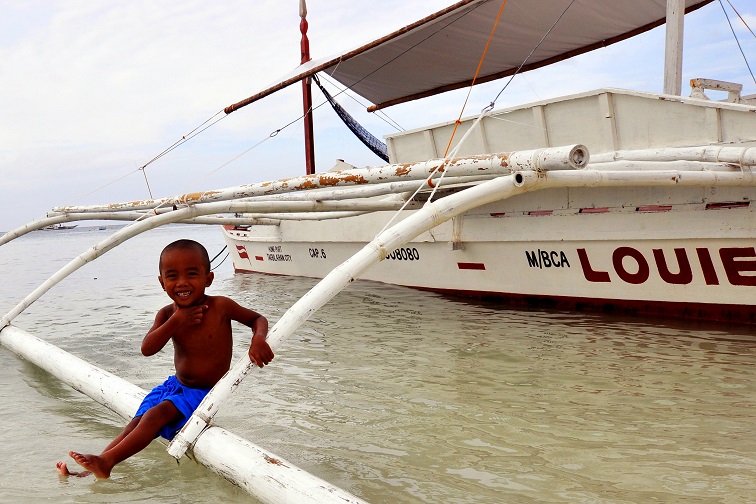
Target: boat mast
(674,47)
(306,93)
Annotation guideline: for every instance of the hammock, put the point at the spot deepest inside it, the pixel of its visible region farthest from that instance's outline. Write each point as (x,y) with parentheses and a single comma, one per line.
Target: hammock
(372,143)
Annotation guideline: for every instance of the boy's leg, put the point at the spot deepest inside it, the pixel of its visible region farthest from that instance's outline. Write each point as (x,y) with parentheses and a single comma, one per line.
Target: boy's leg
(129,427)
(134,441)
(63,468)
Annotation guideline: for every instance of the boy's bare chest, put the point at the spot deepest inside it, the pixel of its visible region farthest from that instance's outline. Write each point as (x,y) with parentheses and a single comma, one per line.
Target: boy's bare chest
(207,336)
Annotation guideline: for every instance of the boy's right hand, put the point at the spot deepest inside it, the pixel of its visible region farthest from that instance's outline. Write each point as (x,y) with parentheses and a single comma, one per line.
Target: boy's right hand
(190,316)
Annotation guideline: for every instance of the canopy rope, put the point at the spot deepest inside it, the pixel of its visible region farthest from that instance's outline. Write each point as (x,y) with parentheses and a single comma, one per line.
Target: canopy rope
(446,158)
(413,46)
(533,51)
(475,77)
(483,113)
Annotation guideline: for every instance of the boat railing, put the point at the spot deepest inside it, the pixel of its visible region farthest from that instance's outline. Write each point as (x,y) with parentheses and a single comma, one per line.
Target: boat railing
(733,90)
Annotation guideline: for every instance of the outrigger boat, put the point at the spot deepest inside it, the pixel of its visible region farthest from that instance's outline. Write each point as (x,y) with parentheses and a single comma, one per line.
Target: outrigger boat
(659,221)
(609,199)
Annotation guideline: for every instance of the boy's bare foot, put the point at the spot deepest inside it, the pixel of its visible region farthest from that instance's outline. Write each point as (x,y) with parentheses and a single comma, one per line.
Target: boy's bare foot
(91,463)
(63,471)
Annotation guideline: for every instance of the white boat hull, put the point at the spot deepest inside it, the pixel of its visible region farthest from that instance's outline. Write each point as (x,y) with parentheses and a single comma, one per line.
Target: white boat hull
(697,263)
(653,248)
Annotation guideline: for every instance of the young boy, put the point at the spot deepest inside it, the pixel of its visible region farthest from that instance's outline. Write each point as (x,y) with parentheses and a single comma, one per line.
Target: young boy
(200,328)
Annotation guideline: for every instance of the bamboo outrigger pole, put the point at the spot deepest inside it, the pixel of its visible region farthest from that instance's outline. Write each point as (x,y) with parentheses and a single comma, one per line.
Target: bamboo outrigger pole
(261,473)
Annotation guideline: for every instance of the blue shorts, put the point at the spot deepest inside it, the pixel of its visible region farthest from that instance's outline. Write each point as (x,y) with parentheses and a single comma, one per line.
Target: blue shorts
(186,400)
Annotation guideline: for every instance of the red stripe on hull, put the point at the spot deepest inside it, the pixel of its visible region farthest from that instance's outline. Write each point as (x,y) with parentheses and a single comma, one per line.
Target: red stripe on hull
(471,266)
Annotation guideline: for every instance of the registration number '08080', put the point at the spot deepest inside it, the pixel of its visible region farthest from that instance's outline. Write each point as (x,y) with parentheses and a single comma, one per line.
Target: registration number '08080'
(404,254)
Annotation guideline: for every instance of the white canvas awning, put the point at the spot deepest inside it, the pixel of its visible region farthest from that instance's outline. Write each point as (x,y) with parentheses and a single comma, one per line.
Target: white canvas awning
(441,52)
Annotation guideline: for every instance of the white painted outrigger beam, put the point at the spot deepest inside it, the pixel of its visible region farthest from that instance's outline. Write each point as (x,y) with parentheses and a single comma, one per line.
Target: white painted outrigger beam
(74,214)
(546,159)
(261,473)
(179,215)
(743,156)
(356,184)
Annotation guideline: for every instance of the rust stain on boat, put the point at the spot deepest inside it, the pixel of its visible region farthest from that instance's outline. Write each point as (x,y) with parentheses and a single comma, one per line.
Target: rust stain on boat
(307,184)
(115,206)
(331,180)
(402,170)
(273,461)
(196,196)
(351,179)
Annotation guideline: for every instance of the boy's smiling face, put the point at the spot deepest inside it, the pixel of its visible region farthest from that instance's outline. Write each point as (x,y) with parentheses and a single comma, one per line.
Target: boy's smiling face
(184,276)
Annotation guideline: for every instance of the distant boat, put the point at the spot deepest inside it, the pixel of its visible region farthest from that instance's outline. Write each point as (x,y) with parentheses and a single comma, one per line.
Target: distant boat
(58,227)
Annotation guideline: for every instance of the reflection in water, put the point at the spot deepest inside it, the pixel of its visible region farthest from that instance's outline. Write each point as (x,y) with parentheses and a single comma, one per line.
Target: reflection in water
(406,396)
(435,400)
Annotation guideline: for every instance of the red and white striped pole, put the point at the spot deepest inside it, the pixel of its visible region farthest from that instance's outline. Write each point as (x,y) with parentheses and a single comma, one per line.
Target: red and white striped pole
(306,93)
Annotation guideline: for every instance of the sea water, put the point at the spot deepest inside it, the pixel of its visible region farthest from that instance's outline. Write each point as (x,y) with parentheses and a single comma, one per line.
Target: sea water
(396,395)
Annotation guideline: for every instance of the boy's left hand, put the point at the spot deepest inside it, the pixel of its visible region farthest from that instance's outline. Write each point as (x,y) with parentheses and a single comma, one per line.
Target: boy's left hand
(260,352)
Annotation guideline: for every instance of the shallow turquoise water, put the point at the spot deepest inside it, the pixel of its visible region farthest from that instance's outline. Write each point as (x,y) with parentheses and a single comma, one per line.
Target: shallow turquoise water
(395,395)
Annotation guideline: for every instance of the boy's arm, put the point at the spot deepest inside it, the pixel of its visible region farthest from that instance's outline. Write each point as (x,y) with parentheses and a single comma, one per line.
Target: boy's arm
(259,351)
(167,321)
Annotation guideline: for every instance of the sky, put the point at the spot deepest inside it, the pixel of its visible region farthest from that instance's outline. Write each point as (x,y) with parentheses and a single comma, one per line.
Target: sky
(91,91)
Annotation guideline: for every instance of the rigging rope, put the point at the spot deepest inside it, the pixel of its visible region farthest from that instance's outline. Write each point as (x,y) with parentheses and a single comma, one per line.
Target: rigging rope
(464,105)
(216,257)
(492,104)
(184,138)
(736,37)
(483,113)
(218,265)
(741,18)
(187,137)
(219,253)
(149,190)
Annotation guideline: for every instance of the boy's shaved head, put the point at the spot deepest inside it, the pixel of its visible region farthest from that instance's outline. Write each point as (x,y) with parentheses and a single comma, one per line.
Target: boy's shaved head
(185,244)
